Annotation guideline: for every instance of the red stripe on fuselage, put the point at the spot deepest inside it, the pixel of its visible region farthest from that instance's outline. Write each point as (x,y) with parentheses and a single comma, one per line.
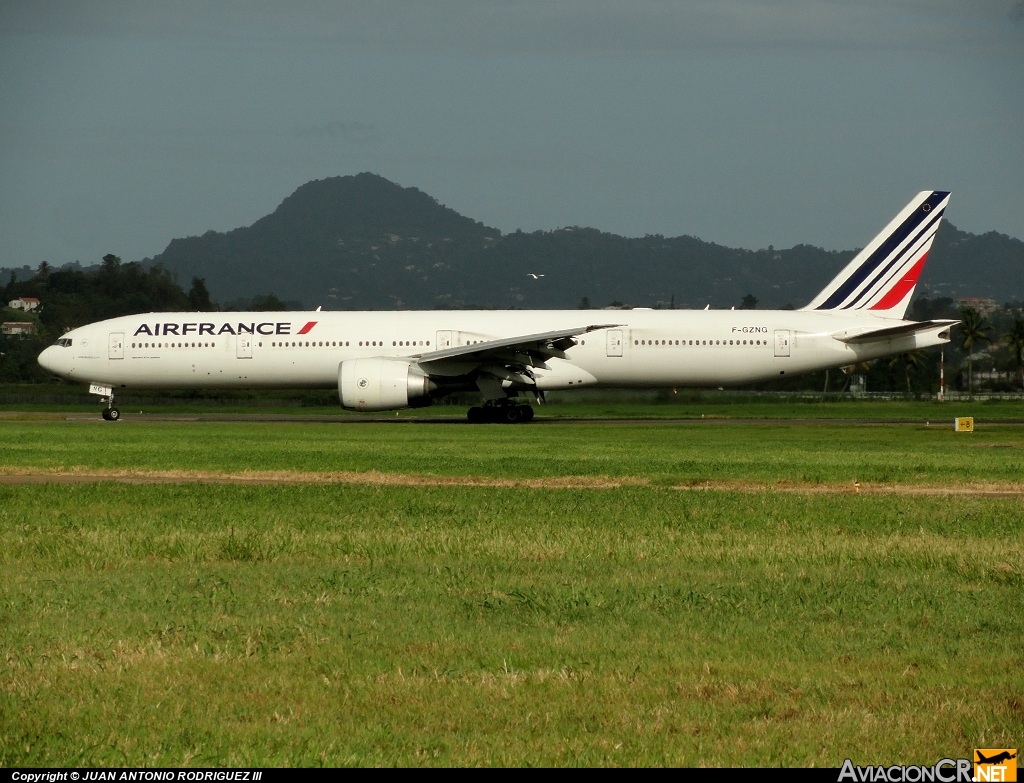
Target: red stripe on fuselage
(305,329)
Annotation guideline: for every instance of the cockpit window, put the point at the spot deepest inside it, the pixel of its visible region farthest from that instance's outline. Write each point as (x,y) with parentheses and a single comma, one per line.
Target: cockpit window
(64,342)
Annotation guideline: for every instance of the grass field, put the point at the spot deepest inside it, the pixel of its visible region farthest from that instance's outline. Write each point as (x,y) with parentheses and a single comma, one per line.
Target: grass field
(562,594)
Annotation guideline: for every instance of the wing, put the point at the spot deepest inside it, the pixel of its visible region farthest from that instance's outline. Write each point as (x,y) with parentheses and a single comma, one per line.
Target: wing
(510,358)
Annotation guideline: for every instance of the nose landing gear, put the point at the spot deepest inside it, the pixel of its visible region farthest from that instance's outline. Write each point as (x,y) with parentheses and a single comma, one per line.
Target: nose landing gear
(106,393)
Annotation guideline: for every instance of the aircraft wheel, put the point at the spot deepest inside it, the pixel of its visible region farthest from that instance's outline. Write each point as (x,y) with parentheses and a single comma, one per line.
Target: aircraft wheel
(113,414)
(106,415)
(527,414)
(512,415)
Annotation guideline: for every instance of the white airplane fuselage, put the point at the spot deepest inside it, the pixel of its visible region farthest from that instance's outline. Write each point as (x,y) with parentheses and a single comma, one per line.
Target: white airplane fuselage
(645,348)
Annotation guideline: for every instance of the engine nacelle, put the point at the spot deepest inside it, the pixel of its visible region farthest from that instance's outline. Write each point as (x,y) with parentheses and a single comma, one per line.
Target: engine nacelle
(382,385)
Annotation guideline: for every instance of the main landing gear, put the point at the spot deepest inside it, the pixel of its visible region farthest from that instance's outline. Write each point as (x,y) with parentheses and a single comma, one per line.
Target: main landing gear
(500,413)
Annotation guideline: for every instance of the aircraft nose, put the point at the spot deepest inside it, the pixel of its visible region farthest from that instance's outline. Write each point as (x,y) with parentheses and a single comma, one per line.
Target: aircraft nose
(54,360)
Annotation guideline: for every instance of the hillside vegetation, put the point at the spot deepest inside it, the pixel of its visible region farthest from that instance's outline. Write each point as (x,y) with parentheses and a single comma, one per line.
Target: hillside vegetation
(363,242)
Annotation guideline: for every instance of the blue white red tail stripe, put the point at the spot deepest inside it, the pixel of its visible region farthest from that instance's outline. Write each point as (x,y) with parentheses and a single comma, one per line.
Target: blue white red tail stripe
(894,263)
(882,276)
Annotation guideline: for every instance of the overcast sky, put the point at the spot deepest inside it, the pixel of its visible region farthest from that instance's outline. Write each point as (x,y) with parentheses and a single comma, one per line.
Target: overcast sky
(744,122)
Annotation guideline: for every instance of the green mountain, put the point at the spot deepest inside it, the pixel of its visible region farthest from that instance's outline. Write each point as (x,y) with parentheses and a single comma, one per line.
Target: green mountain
(362,242)
(357,242)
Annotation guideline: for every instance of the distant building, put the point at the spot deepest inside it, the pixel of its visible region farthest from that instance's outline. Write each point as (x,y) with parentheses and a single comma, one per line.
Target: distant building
(983,304)
(26,303)
(18,327)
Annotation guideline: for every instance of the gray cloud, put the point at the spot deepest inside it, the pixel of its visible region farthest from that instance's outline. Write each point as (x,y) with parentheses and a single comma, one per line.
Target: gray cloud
(357,133)
(473,27)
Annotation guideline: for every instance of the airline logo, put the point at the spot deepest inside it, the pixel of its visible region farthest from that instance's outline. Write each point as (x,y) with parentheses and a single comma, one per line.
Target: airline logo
(209,329)
(995,764)
(890,267)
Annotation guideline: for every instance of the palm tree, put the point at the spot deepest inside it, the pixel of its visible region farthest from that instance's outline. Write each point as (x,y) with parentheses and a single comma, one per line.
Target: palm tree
(976,330)
(915,360)
(1015,342)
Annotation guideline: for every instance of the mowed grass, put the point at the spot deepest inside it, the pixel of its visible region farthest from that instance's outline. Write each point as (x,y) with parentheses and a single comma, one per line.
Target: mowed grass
(666,453)
(348,624)
(38,401)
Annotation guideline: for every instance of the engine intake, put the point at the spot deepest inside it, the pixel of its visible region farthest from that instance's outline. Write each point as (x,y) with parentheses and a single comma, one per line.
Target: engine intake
(382,385)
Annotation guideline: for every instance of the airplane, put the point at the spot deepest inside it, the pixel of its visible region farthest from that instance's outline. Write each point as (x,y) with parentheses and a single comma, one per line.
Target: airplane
(381,361)
(1004,756)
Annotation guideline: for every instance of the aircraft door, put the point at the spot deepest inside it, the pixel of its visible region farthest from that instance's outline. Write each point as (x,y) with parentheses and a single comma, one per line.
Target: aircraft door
(116,346)
(614,344)
(243,346)
(781,342)
(444,340)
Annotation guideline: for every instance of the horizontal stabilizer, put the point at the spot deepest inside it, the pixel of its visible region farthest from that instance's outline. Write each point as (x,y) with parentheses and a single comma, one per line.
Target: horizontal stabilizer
(870,335)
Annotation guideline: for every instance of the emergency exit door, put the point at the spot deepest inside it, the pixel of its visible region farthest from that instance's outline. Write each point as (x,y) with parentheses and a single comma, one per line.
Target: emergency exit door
(243,346)
(782,342)
(614,344)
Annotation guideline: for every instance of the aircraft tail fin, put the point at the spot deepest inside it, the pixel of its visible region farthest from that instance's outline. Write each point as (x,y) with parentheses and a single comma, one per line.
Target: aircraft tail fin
(881,278)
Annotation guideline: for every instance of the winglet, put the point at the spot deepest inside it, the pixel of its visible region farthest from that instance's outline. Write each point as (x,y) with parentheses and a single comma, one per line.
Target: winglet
(881,278)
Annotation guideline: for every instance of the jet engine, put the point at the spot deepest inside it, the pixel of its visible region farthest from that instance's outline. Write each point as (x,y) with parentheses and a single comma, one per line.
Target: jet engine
(382,385)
